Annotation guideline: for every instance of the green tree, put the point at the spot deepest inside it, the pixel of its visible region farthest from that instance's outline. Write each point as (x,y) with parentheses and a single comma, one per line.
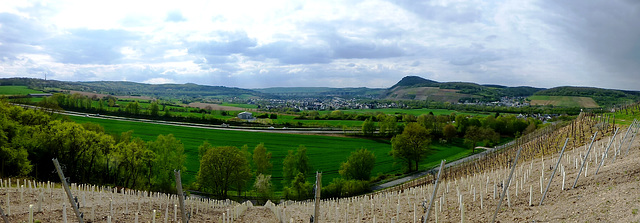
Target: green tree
(449,132)
(154,109)
(358,165)
(262,159)
(368,127)
(388,125)
(263,186)
(476,134)
(133,108)
(295,163)
(169,156)
(202,149)
(300,189)
(221,168)
(412,145)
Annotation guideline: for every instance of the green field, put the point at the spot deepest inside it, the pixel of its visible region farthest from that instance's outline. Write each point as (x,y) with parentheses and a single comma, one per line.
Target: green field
(563,101)
(17,90)
(325,152)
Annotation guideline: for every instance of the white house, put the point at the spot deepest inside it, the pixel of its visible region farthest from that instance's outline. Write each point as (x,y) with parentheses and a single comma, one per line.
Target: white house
(245,115)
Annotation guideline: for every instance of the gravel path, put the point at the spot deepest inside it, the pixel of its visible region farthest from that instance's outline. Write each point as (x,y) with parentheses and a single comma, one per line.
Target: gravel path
(435,169)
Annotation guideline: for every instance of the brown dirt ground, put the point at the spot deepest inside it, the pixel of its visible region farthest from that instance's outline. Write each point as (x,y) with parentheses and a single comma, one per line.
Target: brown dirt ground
(613,195)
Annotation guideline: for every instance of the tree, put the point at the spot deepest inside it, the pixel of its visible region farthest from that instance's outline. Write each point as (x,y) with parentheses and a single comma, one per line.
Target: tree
(202,149)
(388,125)
(263,186)
(449,132)
(295,163)
(154,109)
(473,135)
(262,159)
(222,167)
(170,156)
(358,165)
(300,189)
(476,134)
(368,127)
(412,145)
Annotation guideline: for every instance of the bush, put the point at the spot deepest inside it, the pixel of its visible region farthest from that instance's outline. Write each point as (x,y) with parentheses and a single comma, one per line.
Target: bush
(345,188)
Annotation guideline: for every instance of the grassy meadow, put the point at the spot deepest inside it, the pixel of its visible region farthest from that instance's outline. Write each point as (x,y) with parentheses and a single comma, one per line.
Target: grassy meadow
(325,152)
(17,90)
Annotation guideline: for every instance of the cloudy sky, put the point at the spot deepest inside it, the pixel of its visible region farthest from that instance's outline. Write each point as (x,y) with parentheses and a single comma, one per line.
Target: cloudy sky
(342,43)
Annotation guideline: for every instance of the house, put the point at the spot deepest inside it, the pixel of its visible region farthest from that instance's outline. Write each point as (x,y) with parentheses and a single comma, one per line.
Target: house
(245,115)
(36,95)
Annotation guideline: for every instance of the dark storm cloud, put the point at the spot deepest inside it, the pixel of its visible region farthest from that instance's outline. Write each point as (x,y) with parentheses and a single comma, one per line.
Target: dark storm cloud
(230,43)
(175,16)
(609,31)
(86,46)
(19,35)
(289,52)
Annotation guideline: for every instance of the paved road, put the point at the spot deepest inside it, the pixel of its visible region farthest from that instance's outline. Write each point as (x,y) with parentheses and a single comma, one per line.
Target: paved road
(203,126)
(435,170)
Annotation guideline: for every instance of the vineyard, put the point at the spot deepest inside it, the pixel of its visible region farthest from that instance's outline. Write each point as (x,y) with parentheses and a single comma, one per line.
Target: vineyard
(585,170)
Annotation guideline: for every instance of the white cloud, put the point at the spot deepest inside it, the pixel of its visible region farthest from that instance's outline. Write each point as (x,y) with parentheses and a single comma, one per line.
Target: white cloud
(333,43)
(159,80)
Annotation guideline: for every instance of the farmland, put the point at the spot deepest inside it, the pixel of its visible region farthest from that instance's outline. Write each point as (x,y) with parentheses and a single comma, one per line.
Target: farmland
(325,152)
(16,90)
(564,101)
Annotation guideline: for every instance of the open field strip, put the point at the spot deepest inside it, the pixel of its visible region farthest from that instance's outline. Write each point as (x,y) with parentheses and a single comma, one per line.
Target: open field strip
(17,90)
(325,152)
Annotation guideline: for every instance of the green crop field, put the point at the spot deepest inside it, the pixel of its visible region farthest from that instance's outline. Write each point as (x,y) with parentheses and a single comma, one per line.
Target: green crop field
(17,90)
(325,152)
(563,101)
(415,112)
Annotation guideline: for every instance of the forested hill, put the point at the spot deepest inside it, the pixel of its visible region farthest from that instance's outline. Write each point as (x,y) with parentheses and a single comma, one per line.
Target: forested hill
(463,90)
(132,88)
(603,97)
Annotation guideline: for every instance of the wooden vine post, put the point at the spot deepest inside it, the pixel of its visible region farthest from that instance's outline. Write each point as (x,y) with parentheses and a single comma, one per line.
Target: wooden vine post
(4,217)
(506,186)
(554,172)
(606,151)
(435,190)
(74,205)
(584,161)
(180,196)
(318,188)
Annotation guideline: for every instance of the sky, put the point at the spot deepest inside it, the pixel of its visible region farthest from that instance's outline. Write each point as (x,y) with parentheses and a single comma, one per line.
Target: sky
(341,43)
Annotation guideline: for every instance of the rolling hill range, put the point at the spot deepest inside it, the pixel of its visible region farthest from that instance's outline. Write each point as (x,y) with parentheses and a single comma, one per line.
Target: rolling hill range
(409,88)
(418,88)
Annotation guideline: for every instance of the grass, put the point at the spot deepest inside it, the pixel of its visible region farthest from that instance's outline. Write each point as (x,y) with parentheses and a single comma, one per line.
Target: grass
(17,90)
(326,153)
(564,101)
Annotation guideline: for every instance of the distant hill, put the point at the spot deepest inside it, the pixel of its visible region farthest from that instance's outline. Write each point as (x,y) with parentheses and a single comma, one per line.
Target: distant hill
(125,88)
(604,97)
(321,92)
(414,87)
(415,81)
(408,88)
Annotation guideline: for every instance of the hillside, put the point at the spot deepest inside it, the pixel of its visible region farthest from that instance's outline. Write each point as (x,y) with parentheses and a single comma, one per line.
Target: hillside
(604,97)
(125,88)
(418,88)
(321,92)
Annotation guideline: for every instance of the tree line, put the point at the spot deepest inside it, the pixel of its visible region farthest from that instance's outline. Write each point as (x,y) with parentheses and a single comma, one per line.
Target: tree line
(29,139)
